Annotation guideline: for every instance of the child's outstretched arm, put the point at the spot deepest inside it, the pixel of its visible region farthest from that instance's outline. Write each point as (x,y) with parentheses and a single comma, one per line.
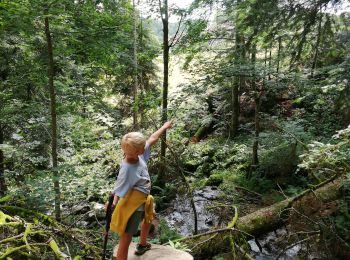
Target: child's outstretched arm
(156,135)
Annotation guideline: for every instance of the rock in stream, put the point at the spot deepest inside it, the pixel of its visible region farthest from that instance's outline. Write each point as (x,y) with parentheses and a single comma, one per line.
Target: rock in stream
(273,244)
(180,216)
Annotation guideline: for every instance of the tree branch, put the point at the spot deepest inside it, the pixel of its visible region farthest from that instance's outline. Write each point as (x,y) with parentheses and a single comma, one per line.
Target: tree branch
(177,31)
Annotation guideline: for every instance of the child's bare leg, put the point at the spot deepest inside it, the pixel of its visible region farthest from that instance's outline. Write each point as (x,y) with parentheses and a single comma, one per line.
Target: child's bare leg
(144,232)
(123,248)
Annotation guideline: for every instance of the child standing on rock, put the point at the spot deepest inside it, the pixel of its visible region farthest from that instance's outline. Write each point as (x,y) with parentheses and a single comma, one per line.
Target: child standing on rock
(132,192)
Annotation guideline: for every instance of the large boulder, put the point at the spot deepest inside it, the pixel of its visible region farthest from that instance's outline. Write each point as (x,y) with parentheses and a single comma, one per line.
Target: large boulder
(158,252)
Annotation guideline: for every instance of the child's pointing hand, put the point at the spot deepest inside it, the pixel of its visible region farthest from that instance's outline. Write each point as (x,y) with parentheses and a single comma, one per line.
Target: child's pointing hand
(168,124)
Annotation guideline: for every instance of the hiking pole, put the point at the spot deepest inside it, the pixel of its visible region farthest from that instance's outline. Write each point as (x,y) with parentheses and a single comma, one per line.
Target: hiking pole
(109,212)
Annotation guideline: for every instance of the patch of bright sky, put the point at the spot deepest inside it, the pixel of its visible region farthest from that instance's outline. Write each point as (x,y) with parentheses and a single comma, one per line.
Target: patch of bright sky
(181,3)
(337,9)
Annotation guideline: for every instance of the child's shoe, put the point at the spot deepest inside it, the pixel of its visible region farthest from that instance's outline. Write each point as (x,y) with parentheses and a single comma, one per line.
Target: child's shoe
(140,249)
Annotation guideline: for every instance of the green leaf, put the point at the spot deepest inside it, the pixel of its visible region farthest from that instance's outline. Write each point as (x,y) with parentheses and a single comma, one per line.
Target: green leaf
(4,217)
(5,199)
(56,249)
(172,244)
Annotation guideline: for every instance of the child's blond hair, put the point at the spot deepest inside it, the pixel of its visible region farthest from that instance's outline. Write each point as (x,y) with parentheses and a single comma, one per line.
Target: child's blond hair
(133,141)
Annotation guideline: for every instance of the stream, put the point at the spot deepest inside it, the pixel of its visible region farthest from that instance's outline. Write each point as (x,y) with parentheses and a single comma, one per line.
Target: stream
(180,215)
(180,218)
(272,246)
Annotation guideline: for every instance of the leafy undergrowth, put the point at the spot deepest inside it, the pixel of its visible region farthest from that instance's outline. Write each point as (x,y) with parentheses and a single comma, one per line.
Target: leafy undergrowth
(89,161)
(227,164)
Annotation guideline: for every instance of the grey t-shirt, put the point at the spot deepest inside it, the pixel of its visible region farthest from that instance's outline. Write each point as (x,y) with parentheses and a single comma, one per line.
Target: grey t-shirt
(134,176)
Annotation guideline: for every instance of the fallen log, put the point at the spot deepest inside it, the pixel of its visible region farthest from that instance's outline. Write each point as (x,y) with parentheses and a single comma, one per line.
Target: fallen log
(269,218)
(205,129)
(207,245)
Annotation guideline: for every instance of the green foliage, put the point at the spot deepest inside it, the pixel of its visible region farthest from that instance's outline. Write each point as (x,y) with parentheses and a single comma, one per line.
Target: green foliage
(214,180)
(326,159)
(179,246)
(92,55)
(342,218)
(278,161)
(293,189)
(166,233)
(254,183)
(93,78)
(214,155)
(91,160)
(321,104)
(56,249)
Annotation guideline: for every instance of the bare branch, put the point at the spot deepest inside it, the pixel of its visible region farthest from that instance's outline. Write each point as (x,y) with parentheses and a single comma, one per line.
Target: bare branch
(177,31)
(294,244)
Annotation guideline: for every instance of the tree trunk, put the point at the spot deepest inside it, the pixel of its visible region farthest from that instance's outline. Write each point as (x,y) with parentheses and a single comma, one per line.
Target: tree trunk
(255,160)
(50,73)
(238,84)
(279,54)
(3,187)
(84,100)
(141,73)
(270,61)
(317,44)
(135,106)
(234,107)
(165,21)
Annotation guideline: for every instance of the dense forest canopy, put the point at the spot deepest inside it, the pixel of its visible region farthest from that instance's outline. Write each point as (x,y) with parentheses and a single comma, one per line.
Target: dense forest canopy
(261,113)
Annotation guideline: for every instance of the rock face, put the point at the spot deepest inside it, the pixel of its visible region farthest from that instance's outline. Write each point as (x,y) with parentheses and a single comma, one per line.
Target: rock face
(157,252)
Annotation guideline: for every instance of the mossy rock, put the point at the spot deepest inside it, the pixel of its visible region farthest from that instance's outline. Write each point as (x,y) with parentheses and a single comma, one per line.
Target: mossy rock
(214,180)
(192,165)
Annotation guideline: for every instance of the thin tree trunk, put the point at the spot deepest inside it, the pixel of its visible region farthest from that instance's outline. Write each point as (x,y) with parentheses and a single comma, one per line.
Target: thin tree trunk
(237,85)
(279,54)
(135,106)
(50,73)
(318,40)
(234,107)
(141,87)
(84,100)
(165,20)
(29,92)
(270,61)
(3,187)
(242,82)
(255,161)
(239,81)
